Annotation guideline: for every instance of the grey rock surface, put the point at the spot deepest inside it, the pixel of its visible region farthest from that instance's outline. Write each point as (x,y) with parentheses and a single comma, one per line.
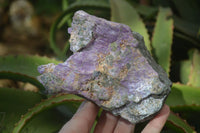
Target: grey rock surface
(111,67)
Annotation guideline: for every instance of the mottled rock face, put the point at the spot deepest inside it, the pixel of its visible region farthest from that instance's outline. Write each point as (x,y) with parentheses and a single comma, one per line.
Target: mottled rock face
(111,67)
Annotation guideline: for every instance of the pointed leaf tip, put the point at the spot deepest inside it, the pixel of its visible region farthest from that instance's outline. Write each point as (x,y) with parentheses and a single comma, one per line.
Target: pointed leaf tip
(162,38)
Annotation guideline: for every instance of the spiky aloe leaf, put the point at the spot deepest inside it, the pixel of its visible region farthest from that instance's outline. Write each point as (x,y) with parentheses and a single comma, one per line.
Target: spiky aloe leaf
(194,77)
(182,95)
(14,103)
(71,100)
(123,12)
(178,124)
(185,68)
(162,38)
(23,68)
(185,100)
(190,69)
(190,113)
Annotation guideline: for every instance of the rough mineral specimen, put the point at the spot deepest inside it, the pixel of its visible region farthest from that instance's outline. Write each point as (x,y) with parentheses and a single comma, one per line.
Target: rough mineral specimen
(110,66)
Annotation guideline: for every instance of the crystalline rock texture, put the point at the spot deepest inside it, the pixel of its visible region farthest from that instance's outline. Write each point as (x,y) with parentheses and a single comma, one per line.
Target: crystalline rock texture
(110,66)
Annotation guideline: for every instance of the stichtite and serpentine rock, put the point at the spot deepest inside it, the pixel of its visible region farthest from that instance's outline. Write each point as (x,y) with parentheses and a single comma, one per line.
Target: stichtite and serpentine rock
(110,66)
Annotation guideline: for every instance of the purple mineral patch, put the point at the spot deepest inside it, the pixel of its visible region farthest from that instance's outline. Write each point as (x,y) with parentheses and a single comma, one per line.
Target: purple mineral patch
(110,66)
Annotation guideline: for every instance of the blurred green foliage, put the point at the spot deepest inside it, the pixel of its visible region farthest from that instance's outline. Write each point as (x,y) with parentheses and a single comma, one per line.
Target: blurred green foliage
(171,33)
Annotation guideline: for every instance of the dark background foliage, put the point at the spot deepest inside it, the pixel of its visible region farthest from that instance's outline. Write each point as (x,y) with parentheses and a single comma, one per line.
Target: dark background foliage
(35,33)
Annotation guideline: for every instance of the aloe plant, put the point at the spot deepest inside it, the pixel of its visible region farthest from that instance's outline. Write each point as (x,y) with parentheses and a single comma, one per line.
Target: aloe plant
(163,31)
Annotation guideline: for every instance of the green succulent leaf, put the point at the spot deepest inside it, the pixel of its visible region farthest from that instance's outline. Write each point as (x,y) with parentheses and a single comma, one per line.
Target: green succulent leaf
(23,68)
(190,69)
(50,121)
(14,103)
(194,77)
(123,12)
(72,102)
(185,68)
(182,95)
(162,38)
(190,113)
(178,124)
(65,4)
